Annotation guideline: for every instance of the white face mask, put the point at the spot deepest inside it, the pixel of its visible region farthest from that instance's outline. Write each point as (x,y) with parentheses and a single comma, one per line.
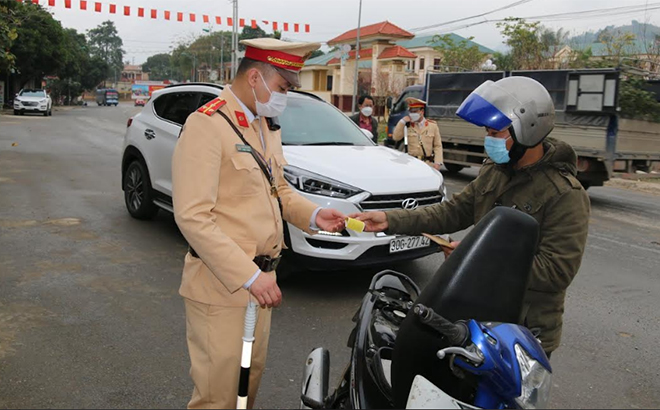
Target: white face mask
(367,111)
(415,116)
(274,107)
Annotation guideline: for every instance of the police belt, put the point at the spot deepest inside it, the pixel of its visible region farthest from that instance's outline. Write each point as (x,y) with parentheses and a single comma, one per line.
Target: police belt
(265,263)
(427,159)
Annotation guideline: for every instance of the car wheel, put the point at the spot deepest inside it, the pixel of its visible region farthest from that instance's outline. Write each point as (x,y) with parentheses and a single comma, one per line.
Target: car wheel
(454,168)
(16,112)
(46,113)
(50,112)
(137,192)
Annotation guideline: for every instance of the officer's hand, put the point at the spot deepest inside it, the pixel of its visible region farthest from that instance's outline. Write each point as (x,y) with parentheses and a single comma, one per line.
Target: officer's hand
(331,220)
(434,166)
(374,221)
(406,119)
(266,291)
(449,251)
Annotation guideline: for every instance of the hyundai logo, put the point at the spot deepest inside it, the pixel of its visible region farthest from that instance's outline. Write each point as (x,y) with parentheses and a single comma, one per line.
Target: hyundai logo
(410,204)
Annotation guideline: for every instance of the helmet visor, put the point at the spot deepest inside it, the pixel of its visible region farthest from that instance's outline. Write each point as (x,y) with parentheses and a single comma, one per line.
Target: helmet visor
(483,107)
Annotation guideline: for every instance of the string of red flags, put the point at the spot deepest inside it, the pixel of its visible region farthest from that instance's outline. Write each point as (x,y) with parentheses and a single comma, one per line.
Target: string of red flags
(167,15)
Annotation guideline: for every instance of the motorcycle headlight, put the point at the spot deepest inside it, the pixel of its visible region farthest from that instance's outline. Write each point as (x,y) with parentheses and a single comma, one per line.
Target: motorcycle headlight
(536,382)
(317,184)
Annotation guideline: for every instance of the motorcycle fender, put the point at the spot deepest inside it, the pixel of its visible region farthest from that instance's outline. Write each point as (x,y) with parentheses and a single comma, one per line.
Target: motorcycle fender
(316,375)
(426,395)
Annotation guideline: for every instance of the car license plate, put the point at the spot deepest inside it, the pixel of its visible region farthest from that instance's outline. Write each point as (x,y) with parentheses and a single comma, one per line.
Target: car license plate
(408,243)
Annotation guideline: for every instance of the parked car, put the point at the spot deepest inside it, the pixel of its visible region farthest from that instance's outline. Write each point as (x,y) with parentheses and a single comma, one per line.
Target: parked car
(331,162)
(33,101)
(140,103)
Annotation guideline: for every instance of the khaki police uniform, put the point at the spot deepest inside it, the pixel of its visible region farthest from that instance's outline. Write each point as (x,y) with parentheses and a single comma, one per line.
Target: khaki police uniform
(226,210)
(424,140)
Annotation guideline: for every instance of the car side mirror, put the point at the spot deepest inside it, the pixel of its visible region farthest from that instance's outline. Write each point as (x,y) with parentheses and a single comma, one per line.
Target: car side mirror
(367,133)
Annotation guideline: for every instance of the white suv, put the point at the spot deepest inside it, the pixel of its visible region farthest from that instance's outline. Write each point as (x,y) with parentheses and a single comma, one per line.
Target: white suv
(33,101)
(331,162)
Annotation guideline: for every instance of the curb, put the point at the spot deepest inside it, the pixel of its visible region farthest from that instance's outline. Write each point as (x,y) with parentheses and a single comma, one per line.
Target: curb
(635,185)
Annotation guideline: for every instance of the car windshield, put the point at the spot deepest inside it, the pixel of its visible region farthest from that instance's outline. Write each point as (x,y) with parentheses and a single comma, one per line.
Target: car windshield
(307,121)
(33,93)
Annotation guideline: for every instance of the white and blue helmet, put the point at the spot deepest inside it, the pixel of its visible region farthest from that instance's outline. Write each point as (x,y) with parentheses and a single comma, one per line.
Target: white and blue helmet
(519,103)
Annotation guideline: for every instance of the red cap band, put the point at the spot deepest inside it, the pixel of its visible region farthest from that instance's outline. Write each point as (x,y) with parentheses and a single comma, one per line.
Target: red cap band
(275,58)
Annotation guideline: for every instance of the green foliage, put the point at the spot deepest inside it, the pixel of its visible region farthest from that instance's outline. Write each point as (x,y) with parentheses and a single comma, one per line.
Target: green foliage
(40,46)
(462,54)
(504,62)
(158,66)
(9,23)
(105,43)
(637,103)
(529,42)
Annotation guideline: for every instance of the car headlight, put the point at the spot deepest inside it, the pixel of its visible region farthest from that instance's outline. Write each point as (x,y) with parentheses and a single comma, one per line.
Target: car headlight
(317,184)
(536,382)
(44,101)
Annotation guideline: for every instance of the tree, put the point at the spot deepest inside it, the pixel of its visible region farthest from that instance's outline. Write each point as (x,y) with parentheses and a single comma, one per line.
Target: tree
(158,66)
(105,43)
(637,103)
(40,45)
(9,23)
(618,44)
(528,51)
(504,62)
(249,33)
(464,54)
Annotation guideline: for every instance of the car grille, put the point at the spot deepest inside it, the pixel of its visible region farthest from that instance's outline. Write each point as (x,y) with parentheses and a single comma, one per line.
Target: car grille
(392,202)
(29,104)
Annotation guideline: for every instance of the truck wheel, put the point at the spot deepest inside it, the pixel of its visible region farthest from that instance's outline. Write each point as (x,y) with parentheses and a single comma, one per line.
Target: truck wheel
(454,168)
(138,195)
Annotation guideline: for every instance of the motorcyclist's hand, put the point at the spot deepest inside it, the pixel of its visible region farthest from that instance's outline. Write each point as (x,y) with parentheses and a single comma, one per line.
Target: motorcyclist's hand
(374,221)
(449,251)
(266,291)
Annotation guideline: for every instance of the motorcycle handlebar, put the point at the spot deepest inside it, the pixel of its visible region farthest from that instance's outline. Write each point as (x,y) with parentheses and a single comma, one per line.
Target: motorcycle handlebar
(456,333)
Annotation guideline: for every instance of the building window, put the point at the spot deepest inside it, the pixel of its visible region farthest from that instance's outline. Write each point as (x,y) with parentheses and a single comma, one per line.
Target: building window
(436,62)
(329,87)
(421,64)
(399,68)
(413,65)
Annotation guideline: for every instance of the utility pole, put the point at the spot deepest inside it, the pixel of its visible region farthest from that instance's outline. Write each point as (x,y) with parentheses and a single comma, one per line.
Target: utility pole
(222,58)
(234,41)
(357,60)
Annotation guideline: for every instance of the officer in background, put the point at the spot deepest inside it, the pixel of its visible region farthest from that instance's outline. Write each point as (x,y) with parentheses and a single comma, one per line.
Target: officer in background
(423,136)
(365,118)
(526,171)
(230,200)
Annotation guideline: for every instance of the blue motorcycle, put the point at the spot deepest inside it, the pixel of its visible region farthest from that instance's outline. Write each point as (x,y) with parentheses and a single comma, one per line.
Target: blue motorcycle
(458,344)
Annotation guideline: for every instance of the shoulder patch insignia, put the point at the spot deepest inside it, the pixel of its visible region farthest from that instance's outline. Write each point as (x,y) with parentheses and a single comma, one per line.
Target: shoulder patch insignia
(212,106)
(242,119)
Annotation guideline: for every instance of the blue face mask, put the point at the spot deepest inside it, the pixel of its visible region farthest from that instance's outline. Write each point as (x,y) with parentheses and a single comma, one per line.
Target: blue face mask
(496,149)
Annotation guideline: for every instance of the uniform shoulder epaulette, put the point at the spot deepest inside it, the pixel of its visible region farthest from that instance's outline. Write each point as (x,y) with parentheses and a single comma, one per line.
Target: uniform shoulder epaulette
(432,121)
(212,106)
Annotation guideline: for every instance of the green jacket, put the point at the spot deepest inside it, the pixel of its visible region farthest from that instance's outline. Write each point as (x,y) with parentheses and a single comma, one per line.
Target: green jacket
(550,192)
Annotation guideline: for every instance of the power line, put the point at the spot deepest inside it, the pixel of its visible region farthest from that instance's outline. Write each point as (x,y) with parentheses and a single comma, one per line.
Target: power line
(515,4)
(579,15)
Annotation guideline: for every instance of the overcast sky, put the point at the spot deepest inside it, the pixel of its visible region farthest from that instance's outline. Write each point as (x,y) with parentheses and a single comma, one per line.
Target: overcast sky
(329,18)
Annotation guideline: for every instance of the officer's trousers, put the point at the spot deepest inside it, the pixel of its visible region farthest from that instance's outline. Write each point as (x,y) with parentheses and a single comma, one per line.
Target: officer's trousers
(215,343)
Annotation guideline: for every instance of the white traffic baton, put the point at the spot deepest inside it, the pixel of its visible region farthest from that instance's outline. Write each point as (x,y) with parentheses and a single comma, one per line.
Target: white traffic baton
(246,356)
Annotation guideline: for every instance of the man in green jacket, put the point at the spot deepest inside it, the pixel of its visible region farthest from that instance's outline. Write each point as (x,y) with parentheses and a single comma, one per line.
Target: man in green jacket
(526,171)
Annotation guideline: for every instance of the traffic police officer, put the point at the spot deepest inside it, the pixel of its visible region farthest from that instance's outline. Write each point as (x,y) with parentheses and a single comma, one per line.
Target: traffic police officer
(230,199)
(423,135)
(526,171)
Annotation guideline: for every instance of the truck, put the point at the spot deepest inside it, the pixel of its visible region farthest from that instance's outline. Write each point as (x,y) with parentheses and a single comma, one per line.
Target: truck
(588,118)
(107,97)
